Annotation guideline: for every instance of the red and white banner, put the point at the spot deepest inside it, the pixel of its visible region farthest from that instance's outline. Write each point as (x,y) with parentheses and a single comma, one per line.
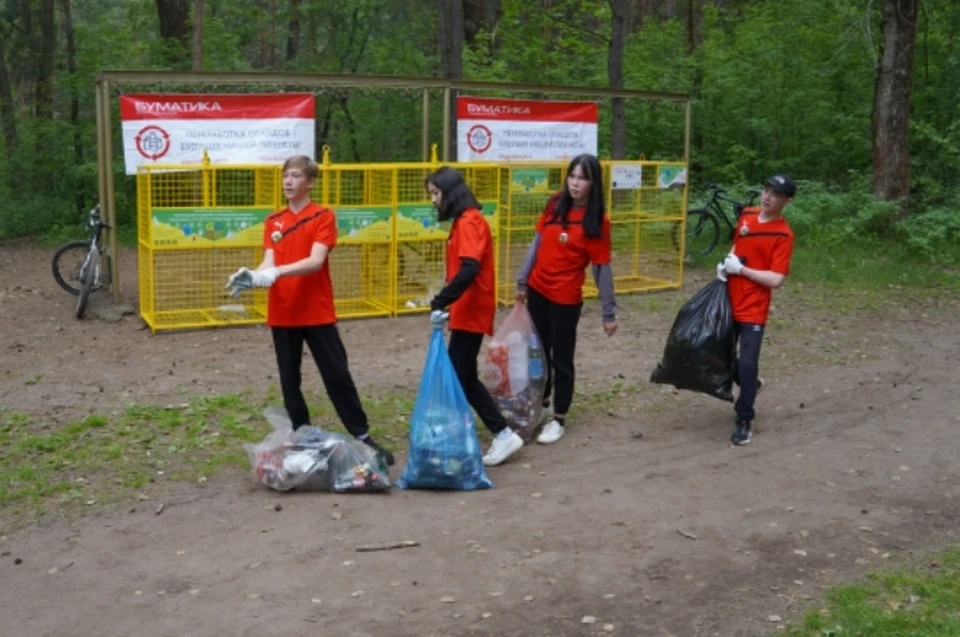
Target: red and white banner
(232,129)
(503,130)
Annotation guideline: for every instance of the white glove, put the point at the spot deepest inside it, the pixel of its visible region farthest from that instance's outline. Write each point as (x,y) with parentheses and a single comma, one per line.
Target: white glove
(439,317)
(732,265)
(265,278)
(721,273)
(239,281)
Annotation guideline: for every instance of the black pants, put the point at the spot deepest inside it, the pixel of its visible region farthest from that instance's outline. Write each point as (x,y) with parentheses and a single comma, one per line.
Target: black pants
(557,327)
(463,349)
(750,336)
(331,359)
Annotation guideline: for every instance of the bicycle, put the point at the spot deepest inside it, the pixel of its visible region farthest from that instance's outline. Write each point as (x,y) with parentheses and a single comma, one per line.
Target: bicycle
(77,264)
(703,224)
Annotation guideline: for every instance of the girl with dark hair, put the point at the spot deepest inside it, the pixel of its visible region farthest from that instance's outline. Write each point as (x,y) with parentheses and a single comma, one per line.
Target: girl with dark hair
(470,294)
(572,233)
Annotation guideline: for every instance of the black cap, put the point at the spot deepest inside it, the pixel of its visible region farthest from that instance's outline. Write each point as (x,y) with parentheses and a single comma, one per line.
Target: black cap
(783,185)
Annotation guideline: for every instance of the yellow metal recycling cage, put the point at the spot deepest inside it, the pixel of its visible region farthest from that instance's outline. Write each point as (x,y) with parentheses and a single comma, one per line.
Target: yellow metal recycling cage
(197,225)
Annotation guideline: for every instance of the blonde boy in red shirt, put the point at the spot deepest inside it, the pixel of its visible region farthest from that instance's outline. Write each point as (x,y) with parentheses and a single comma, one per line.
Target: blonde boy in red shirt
(297,241)
(758,263)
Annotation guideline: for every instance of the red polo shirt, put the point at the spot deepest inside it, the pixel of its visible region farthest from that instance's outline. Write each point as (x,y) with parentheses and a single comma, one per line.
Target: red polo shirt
(564,254)
(305,300)
(470,238)
(765,246)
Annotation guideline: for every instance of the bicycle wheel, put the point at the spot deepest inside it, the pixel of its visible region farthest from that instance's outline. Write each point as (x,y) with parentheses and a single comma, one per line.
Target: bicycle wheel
(67,262)
(89,274)
(703,232)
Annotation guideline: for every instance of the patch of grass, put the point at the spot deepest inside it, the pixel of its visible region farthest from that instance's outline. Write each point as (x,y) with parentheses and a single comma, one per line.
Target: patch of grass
(388,415)
(856,270)
(870,268)
(103,459)
(837,283)
(917,601)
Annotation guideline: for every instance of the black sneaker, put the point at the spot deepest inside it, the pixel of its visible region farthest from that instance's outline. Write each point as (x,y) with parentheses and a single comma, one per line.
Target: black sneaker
(385,456)
(741,434)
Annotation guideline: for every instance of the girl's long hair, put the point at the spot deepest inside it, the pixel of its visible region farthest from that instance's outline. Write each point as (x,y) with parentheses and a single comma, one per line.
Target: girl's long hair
(456,195)
(563,201)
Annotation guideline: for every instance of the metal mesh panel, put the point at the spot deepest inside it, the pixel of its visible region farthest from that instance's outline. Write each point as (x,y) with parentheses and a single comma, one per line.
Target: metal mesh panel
(196,228)
(198,225)
(361,265)
(420,249)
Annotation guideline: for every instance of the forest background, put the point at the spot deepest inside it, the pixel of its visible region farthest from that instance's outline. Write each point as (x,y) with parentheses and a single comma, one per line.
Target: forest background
(859,100)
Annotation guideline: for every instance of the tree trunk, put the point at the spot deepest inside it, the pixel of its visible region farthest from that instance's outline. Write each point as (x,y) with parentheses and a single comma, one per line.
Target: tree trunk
(174,29)
(693,9)
(618,36)
(890,122)
(74,101)
(451,56)
(668,10)
(492,12)
(293,35)
(44,86)
(197,35)
(8,112)
(636,15)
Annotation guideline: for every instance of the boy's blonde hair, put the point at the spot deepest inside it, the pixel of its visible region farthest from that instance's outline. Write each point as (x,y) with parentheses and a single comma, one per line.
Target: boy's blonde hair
(304,163)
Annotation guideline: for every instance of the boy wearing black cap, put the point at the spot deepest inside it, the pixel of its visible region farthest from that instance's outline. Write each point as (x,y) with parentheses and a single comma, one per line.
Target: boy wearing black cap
(758,263)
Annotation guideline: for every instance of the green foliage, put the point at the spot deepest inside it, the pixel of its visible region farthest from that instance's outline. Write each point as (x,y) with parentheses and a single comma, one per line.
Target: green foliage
(793,97)
(839,219)
(769,94)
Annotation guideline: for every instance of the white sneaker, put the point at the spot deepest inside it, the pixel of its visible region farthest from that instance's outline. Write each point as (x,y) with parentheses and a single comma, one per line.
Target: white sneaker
(502,448)
(552,432)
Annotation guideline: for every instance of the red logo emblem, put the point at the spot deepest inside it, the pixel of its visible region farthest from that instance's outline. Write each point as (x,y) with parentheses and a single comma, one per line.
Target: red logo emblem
(479,138)
(153,142)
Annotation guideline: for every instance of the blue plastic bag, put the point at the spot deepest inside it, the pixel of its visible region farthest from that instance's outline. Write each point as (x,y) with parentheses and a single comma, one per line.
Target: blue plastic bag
(444,452)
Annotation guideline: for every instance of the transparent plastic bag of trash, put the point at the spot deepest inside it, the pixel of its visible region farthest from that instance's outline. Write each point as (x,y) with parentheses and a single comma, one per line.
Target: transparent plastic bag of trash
(515,371)
(311,459)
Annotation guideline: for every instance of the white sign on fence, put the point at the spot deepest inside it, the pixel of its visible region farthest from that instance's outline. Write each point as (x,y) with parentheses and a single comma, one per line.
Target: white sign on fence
(505,130)
(232,129)
(626,176)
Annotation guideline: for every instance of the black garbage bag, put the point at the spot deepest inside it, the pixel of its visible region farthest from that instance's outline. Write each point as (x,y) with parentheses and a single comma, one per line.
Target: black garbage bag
(701,350)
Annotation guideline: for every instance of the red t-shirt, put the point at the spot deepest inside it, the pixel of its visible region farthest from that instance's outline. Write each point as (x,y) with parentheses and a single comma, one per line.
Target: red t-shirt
(765,246)
(559,271)
(306,300)
(470,238)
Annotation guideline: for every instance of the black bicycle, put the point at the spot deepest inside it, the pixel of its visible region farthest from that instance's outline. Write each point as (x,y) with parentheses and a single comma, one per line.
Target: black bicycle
(77,264)
(703,224)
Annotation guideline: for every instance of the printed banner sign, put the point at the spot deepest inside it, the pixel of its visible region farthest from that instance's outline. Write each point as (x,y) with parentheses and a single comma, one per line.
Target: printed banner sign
(232,227)
(626,176)
(363,223)
(232,129)
(672,176)
(505,130)
(419,221)
(527,181)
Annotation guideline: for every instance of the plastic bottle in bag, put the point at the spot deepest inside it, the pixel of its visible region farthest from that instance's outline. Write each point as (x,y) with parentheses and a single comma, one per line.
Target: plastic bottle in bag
(536,361)
(519,361)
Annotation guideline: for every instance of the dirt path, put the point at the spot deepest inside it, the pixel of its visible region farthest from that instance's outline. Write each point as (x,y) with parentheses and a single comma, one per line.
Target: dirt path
(642,517)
